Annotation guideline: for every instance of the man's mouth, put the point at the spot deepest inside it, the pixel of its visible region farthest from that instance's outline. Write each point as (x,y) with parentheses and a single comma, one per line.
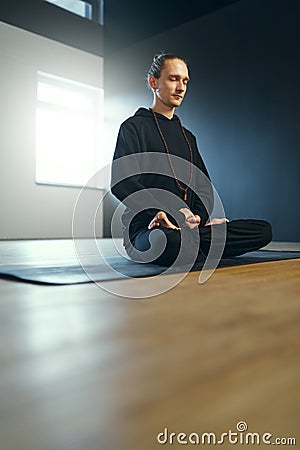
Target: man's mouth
(177,95)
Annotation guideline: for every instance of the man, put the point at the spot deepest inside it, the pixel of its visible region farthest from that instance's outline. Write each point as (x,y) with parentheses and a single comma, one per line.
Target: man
(159,180)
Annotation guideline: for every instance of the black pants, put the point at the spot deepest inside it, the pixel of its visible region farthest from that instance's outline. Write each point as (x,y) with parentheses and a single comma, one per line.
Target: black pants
(244,235)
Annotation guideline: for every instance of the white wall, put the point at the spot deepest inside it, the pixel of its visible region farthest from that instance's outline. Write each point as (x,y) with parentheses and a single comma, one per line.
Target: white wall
(29,210)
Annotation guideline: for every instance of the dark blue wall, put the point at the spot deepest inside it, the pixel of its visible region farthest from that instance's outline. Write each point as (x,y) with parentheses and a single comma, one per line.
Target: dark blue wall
(245,110)
(243,103)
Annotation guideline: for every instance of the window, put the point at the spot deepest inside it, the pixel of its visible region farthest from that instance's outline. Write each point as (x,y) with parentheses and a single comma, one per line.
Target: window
(69,126)
(90,9)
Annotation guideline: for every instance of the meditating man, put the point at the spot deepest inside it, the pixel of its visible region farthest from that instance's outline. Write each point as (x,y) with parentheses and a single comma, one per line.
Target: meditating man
(160,177)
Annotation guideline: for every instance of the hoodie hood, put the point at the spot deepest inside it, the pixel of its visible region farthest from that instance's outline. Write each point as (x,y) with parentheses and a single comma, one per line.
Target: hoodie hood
(145,112)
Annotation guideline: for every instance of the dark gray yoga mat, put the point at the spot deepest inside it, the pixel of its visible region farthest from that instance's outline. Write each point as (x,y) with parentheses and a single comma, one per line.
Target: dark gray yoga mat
(74,273)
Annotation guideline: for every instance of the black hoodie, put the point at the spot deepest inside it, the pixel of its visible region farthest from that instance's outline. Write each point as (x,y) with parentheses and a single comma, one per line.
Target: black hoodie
(149,168)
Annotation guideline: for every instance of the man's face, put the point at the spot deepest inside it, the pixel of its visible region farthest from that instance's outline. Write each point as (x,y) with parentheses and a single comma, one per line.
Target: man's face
(171,86)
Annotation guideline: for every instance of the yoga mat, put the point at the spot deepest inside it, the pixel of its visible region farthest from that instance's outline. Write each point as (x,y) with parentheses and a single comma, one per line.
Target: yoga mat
(74,273)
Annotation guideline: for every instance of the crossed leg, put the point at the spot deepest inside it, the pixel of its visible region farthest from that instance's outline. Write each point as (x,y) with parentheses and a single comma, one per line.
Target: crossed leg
(243,235)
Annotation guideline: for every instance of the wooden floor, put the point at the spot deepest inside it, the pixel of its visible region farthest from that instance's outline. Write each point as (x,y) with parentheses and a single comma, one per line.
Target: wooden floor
(82,369)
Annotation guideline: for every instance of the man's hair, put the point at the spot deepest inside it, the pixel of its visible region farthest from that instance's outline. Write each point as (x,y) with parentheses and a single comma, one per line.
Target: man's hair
(158,63)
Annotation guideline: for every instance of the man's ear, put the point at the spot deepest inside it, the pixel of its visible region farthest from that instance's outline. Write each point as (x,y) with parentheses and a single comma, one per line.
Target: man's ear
(152,82)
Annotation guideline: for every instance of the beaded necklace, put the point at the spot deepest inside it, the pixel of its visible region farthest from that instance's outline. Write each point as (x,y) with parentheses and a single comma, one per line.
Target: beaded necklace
(184,189)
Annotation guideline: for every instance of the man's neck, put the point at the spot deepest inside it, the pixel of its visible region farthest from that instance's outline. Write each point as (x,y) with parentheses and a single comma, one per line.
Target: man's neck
(163,109)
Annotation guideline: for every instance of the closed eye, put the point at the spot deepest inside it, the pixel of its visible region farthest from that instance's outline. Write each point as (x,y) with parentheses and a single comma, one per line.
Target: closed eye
(185,80)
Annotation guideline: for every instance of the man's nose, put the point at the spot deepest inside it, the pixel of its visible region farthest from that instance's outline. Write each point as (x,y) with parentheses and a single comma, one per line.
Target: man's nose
(180,86)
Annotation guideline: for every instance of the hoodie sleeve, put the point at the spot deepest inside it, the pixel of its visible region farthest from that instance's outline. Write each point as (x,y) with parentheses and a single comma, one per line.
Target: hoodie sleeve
(203,198)
(123,184)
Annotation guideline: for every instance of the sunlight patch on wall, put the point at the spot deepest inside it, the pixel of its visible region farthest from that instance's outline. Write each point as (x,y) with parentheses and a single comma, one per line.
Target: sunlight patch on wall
(69,129)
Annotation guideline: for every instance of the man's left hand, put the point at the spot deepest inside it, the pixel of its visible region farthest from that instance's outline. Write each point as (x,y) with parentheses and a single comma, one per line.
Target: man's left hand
(191,220)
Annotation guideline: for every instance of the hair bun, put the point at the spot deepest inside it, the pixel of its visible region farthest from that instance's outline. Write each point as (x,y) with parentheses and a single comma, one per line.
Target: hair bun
(158,63)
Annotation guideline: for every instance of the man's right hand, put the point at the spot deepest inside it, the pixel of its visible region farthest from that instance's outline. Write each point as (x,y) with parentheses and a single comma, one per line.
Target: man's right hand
(161,220)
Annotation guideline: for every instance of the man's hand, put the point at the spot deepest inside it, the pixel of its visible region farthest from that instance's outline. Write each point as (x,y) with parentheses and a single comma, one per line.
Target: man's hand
(191,220)
(216,221)
(161,220)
